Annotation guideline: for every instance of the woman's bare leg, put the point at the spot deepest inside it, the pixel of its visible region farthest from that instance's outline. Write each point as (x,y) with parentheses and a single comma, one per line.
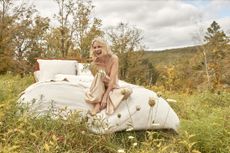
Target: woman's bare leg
(96,109)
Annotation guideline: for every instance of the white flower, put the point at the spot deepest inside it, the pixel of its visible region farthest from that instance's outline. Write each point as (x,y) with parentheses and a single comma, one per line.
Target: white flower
(155,124)
(83,132)
(134,144)
(159,94)
(121,151)
(124,91)
(130,129)
(131,137)
(171,100)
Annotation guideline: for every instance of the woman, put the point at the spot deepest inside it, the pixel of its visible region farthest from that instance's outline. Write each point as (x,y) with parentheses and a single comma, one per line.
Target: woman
(104,91)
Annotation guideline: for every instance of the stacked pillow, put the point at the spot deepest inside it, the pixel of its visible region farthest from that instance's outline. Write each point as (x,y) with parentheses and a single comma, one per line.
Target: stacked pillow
(47,69)
(83,69)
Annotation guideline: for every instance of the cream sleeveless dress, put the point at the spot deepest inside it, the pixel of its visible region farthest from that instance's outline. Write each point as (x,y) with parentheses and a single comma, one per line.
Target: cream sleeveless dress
(97,89)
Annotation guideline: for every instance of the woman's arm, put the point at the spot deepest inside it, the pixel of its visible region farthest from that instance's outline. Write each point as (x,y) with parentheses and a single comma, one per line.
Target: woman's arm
(112,81)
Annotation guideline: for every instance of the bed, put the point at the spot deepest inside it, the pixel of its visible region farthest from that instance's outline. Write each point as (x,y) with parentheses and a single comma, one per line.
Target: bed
(143,110)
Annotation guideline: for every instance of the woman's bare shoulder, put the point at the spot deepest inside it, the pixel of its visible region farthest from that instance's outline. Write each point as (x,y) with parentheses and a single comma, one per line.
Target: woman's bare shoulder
(115,57)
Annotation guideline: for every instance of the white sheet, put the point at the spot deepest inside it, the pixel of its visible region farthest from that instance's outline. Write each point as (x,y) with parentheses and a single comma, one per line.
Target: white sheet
(71,94)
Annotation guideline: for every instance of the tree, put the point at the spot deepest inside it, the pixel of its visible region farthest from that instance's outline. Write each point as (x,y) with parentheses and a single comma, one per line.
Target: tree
(65,31)
(126,43)
(77,28)
(125,40)
(29,39)
(87,28)
(55,45)
(6,34)
(37,35)
(21,37)
(216,49)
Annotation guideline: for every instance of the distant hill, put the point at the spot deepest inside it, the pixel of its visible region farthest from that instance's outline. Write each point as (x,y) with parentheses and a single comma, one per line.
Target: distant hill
(178,56)
(170,56)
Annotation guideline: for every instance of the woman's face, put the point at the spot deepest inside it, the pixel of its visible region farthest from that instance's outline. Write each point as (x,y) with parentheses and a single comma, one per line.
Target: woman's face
(97,49)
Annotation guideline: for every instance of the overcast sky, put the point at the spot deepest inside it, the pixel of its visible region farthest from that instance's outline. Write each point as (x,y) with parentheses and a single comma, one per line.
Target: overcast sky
(165,24)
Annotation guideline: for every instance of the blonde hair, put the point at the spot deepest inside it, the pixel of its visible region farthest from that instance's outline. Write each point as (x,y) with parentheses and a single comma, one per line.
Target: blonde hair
(105,47)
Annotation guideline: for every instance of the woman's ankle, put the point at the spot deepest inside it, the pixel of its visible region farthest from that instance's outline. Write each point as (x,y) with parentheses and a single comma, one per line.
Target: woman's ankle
(96,109)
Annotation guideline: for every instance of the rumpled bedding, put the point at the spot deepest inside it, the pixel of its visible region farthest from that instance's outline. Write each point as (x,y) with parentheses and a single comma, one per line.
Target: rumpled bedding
(143,110)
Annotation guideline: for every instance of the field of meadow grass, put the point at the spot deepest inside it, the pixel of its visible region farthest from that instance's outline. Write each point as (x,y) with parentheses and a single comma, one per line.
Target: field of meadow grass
(205,127)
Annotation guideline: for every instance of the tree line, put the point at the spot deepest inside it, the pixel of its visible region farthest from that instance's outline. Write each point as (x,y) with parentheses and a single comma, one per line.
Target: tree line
(25,36)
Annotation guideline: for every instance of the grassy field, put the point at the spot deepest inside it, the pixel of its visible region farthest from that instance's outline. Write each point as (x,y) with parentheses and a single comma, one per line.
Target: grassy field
(204,127)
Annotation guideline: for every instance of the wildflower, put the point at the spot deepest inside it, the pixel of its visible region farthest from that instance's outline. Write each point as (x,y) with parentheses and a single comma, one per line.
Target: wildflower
(124,91)
(171,100)
(138,108)
(121,151)
(159,94)
(129,129)
(134,144)
(131,137)
(54,137)
(83,132)
(155,124)
(47,147)
(196,151)
(151,101)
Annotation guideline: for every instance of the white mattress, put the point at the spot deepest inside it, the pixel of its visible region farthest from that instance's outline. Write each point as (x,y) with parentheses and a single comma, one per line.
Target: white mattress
(132,114)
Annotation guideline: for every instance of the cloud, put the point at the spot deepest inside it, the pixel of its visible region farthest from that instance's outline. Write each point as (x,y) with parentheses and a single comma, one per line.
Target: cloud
(46,8)
(170,36)
(165,24)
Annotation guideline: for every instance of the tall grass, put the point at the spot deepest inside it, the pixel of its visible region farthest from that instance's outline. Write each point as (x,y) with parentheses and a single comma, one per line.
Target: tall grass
(204,127)
(206,115)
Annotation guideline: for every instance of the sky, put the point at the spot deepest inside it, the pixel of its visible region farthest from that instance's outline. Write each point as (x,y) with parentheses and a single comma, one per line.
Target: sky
(165,24)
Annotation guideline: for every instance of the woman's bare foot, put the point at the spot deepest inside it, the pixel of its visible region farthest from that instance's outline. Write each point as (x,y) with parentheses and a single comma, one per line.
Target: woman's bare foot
(102,107)
(96,109)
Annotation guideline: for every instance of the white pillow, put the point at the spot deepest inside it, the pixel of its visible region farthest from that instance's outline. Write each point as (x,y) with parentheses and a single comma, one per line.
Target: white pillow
(37,76)
(49,68)
(83,69)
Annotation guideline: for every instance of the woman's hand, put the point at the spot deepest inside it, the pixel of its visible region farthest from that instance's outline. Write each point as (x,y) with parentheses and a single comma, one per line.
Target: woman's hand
(106,79)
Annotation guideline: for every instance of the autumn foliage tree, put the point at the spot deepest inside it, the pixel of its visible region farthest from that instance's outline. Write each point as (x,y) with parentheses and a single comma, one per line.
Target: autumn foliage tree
(207,69)
(21,36)
(28,39)
(6,34)
(216,47)
(76,28)
(126,43)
